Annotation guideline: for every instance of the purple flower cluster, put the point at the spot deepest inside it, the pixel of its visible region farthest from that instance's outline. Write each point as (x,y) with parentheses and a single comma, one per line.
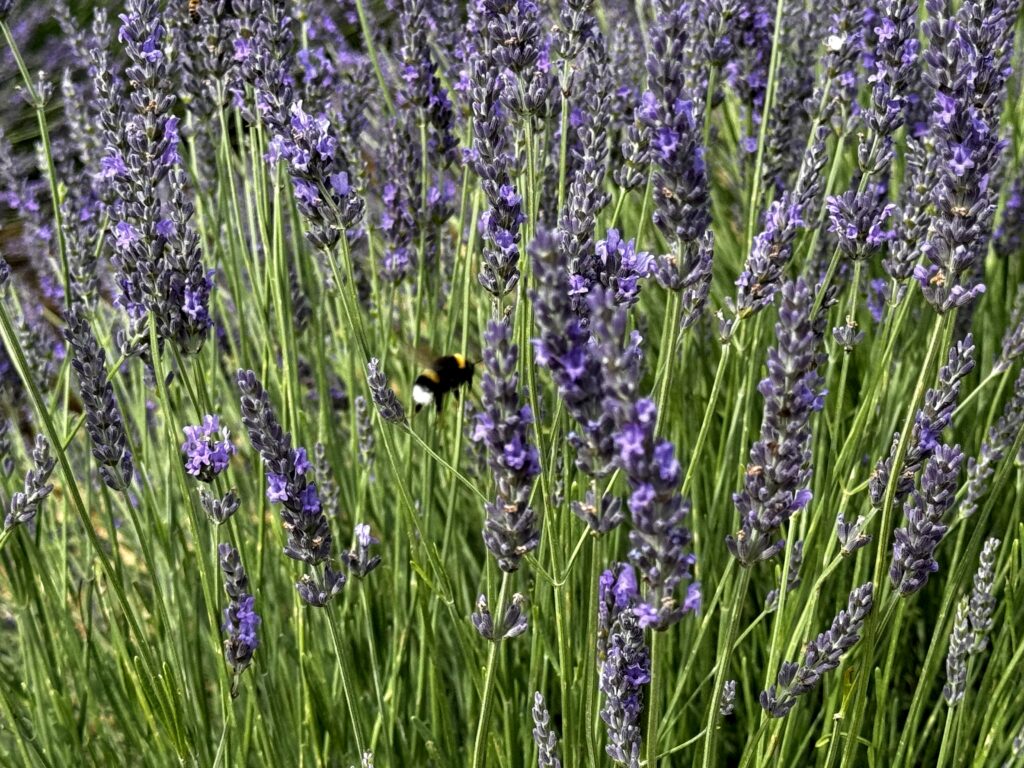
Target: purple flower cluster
(1001,436)
(309,535)
(913,551)
(772,251)
(359,561)
(623,663)
(681,195)
(659,539)
(929,423)
(858,220)
(777,479)
(205,455)
(241,621)
(102,416)
(511,529)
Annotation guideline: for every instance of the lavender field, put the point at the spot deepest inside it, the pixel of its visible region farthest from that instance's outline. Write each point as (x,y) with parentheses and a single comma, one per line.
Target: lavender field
(512,382)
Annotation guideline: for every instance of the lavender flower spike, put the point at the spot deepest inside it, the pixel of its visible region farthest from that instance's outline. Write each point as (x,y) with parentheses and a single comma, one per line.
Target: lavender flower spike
(821,656)
(240,618)
(772,250)
(513,619)
(25,504)
(388,405)
(913,550)
(624,671)
(359,561)
(102,416)
(659,539)
(545,738)
(511,529)
(777,480)
(983,603)
(956,658)
(206,456)
(999,440)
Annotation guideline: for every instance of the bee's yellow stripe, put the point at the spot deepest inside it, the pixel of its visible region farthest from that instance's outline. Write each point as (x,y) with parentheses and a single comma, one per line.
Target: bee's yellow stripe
(430,373)
(460,360)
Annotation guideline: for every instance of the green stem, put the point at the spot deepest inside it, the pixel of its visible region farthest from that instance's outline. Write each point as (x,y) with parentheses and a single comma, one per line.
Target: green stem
(487,697)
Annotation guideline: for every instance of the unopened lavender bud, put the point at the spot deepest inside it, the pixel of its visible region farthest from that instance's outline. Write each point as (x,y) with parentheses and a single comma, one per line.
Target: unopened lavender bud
(543,736)
(359,560)
(513,621)
(364,431)
(240,618)
(388,405)
(983,603)
(851,535)
(847,335)
(219,510)
(728,705)
(821,655)
(956,658)
(25,504)
(317,589)
(623,673)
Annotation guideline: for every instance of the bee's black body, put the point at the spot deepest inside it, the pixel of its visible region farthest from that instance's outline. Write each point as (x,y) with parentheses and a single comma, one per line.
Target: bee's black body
(446,375)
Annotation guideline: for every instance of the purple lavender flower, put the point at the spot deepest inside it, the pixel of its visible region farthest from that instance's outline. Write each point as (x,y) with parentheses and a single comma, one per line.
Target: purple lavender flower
(821,656)
(659,538)
(929,423)
(913,551)
(858,222)
(982,603)
(777,479)
(681,195)
(624,670)
(851,535)
(623,267)
(25,504)
(241,621)
(771,253)
(511,529)
(205,456)
(309,535)
(102,415)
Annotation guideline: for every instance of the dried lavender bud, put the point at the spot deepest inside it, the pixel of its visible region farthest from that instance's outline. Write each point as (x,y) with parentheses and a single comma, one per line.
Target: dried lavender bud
(204,454)
(771,253)
(796,559)
(601,515)
(219,510)
(240,618)
(1001,436)
(914,546)
(956,659)
(982,603)
(511,529)
(25,504)
(513,621)
(388,405)
(543,736)
(659,540)
(728,705)
(359,561)
(623,672)
(851,535)
(821,655)
(857,220)
(102,416)
(303,519)
(777,480)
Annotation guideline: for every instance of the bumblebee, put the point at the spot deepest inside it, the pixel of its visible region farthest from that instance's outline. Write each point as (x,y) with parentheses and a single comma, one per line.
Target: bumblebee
(193,11)
(446,374)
